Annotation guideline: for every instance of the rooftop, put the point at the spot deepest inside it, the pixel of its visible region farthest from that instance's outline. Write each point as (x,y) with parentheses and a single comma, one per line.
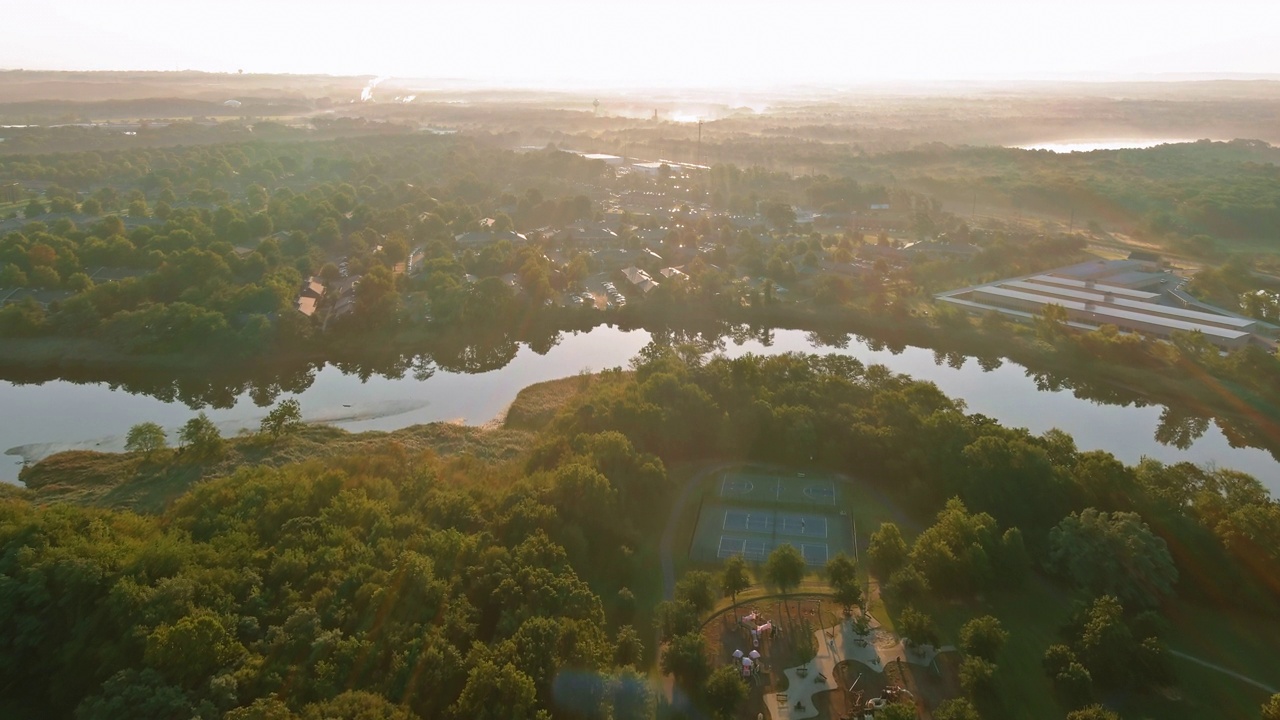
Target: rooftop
(1105,311)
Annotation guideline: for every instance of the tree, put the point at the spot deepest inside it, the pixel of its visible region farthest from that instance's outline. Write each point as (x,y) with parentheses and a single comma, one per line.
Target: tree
(685,659)
(734,578)
(201,438)
(956,709)
(12,276)
(675,617)
(887,552)
(134,694)
(978,679)
(628,647)
(34,209)
(909,584)
(784,569)
(1113,554)
(1056,659)
(376,299)
(917,627)
(983,637)
(1093,712)
(842,574)
(497,693)
(725,692)
(192,650)
(898,711)
(1271,710)
(630,696)
(145,438)
(698,588)
(1073,687)
(285,418)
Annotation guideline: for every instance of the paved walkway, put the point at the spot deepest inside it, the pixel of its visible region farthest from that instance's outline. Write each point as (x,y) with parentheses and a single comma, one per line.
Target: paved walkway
(1224,671)
(836,644)
(666,545)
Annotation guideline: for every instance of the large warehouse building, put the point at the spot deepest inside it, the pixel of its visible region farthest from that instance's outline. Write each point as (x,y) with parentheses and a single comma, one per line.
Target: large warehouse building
(1091,301)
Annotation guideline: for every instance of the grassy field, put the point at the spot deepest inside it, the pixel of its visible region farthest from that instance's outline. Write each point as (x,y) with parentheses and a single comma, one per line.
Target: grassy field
(537,405)
(128,480)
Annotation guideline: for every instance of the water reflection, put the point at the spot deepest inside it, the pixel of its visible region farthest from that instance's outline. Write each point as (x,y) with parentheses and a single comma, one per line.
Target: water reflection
(445,359)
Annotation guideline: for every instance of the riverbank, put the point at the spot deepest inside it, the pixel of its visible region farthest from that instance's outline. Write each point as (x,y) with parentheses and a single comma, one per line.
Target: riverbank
(391,381)
(148,484)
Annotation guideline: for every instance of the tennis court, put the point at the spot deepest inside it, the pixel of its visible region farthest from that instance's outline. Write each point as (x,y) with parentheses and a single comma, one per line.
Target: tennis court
(757,549)
(779,523)
(801,489)
(754,532)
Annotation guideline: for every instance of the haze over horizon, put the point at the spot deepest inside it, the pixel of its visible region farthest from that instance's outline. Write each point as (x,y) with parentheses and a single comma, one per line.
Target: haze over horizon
(575,43)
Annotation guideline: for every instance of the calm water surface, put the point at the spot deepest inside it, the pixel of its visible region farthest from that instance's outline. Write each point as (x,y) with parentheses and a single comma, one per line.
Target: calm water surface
(59,415)
(1070,146)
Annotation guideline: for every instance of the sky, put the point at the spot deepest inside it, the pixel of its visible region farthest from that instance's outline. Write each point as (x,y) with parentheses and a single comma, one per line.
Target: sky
(686,43)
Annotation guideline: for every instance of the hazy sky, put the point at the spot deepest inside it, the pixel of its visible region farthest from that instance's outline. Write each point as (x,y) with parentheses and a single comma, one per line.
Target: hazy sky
(668,42)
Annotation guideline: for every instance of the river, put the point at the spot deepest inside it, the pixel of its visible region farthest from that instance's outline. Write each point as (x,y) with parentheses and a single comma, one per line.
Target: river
(58,415)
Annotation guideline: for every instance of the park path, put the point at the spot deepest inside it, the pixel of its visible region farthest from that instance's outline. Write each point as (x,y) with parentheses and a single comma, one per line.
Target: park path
(1224,671)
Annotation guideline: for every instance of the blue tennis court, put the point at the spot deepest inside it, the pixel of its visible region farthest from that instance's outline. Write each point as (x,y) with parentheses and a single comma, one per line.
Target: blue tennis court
(780,523)
(757,549)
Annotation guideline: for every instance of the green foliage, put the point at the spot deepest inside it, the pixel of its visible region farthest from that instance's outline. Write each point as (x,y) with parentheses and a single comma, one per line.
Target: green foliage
(140,694)
(978,679)
(842,574)
(983,637)
(628,647)
(698,588)
(200,438)
(1073,686)
(888,552)
(146,438)
(285,418)
(674,618)
(734,577)
(898,711)
(630,697)
(1057,658)
(1271,708)
(1115,649)
(955,554)
(917,627)
(724,692)
(685,658)
(1093,712)
(956,709)
(1114,554)
(784,569)
(192,649)
(909,584)
(494,692)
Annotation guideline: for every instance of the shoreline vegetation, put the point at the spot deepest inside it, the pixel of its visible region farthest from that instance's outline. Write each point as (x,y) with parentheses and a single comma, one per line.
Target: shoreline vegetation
(149,482)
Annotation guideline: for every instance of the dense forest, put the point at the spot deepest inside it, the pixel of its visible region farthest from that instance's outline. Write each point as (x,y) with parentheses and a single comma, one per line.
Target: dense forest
(400,584)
